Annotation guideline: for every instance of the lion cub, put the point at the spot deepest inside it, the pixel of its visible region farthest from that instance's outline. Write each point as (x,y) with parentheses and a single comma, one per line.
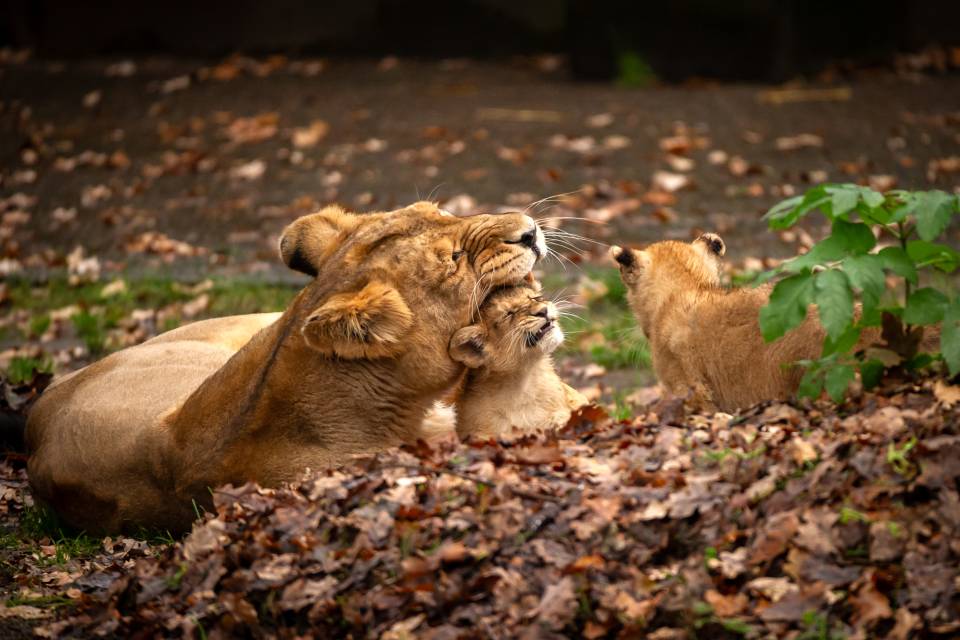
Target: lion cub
(705,339)
(510,381)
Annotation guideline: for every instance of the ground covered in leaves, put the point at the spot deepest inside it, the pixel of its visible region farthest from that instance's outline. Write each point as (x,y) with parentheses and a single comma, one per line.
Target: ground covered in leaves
(139,194)
(803,521)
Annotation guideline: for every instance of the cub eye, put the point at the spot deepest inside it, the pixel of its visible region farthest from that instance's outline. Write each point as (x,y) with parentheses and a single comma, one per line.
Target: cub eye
(456,255)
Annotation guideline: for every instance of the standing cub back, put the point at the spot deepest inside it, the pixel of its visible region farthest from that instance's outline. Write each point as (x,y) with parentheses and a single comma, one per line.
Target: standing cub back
(705,339)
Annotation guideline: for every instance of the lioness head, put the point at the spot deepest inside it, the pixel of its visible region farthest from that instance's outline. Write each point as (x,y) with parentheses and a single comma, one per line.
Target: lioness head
(516,324)
(399,284)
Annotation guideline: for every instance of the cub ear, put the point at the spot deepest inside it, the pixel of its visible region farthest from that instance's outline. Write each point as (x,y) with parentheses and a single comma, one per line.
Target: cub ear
(713,243)
(369,323)
(468,346)
(308,240)
(631,262)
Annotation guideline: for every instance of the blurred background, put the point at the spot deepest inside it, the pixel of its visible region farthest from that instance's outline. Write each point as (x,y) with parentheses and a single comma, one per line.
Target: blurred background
(151,153)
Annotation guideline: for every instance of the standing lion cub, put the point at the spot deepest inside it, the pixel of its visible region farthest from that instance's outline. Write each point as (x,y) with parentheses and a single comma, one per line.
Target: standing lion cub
(705,339)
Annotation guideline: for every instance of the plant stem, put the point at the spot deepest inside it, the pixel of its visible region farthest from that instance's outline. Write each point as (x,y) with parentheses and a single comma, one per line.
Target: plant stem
(903,245)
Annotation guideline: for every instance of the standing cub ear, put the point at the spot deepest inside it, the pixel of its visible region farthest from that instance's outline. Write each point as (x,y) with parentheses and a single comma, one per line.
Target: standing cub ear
(713,243)
(631,262)
(308,240)
(369,323)
(468,346)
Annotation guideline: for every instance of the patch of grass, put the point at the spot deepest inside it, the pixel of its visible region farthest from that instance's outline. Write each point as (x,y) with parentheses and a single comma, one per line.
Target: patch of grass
(91,329)
(39,601)
(623,345)
(631,352)
(22,369)
(227,296)
(898,457)
(40,523)
(234,297)
(39,325)
(634,70)
(96,314)
(622,410)
(817,627)
(848,515)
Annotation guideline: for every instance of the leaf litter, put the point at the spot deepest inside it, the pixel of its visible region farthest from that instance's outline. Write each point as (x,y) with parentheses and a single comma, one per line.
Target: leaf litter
(784,519)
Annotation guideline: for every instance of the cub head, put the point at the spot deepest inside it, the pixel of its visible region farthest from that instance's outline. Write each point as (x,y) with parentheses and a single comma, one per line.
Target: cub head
(516,325)
(398,284)
(696,263)
(654,274)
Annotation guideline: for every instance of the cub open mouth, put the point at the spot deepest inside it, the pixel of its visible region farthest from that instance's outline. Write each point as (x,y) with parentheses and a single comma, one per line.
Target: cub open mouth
(533,339)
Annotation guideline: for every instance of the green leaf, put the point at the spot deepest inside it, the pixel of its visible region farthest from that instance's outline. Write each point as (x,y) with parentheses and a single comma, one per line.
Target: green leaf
(787,307)
(843,343)
(782,213)
(925,306)
(847,238)
(866,274)
(834,302)
(783,216)
(811,384)
(871,372)
(844,200)
(871,198)
(837,380)
(896,260)
(950,337)
(941,256)
(827,250)
(904,205)
(855,237)
(933,212)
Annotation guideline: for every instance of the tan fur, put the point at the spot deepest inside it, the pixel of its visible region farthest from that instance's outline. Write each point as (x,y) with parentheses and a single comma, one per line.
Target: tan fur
(351,366)
(705,339)
(511,384)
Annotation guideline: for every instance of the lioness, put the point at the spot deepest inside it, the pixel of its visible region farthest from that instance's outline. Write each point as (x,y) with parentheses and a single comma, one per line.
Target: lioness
(510,382)
(351,366)
(705,339)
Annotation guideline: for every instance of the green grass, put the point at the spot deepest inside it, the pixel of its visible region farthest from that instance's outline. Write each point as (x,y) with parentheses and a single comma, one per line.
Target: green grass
(97,314)
(39,601)
(40,523)
(634,70)
(623,345)
(21,369)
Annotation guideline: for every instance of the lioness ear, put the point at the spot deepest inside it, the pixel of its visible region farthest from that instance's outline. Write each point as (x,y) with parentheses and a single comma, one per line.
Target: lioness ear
(370,323)
(306,241)
(468,346)
(713,243)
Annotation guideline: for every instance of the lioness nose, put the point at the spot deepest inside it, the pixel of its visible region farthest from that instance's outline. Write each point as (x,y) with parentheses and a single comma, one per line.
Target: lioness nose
(542,313)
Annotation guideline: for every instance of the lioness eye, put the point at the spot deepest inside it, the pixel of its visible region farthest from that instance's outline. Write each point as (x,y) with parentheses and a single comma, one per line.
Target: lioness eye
(457,255)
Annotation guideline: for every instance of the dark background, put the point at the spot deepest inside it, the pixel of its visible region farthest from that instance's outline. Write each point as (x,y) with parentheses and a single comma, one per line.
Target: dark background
(752,40)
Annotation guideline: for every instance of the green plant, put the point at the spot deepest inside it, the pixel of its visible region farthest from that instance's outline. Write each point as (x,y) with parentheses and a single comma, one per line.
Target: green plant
(22,369)
(847,267)
(898,457)
(91,329)
(634,70)
(817,627)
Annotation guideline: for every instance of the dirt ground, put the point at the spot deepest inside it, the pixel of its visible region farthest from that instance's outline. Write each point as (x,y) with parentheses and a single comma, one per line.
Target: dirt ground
(139,194)
(221,155)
